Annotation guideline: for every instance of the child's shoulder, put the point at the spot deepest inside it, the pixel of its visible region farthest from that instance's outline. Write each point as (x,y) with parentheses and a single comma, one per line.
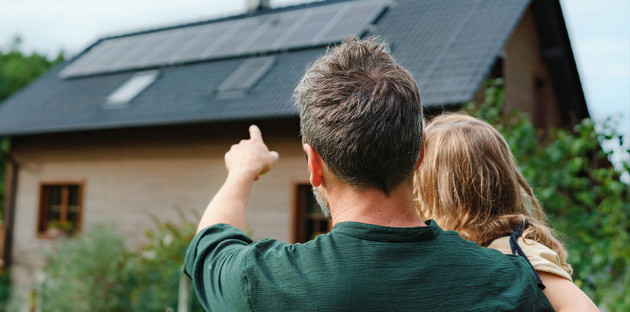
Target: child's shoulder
(540,256)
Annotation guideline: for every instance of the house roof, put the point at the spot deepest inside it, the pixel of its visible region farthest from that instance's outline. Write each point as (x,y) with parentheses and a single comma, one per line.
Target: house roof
(448,46)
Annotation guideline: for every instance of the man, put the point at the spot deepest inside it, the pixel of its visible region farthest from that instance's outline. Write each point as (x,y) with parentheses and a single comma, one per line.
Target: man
(361,124)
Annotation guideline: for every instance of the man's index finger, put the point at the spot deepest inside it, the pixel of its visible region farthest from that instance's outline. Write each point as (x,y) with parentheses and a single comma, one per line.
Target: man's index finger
(254,132)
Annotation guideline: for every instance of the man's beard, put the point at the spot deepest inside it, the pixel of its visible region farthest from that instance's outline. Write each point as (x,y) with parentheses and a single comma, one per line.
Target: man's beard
(323,203)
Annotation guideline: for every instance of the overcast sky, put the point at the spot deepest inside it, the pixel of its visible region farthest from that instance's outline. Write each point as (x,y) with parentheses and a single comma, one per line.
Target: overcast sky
(599,32)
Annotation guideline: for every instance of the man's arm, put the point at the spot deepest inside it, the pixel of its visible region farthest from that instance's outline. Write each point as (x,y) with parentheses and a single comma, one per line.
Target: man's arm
(245,162)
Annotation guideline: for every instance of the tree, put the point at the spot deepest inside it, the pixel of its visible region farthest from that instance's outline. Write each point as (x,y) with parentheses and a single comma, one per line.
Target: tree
(16,71)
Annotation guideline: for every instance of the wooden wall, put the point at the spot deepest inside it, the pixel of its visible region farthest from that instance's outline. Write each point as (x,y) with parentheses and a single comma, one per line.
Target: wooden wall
(130,174)
(528,87)
(523,69)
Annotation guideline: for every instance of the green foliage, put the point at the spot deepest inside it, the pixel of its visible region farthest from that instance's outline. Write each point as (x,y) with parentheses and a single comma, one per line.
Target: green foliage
(16,71)
(87,273)
(94,272)
(158,267)
(5,289)
(4,150)
(580,191)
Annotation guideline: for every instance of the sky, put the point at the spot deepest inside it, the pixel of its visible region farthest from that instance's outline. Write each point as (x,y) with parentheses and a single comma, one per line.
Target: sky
(599,32)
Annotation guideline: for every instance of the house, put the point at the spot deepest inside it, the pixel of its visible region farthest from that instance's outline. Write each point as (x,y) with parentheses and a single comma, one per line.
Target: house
(138,124)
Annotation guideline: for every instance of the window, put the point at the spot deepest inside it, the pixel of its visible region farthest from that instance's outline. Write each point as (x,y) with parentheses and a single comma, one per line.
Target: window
(244,77)
(60,209)
(497,70)
(308,218)
(131,88)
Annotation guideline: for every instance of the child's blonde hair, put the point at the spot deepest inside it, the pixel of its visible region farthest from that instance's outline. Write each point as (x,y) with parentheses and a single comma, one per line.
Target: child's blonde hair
(469,182)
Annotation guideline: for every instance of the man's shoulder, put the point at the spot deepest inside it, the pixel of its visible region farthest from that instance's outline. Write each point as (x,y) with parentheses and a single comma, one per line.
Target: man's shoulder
(457,244)
(446,266)
(445,250)
(272,248)
(491,261)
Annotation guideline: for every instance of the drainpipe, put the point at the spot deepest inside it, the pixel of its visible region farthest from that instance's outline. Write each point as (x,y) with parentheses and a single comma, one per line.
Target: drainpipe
(9,211)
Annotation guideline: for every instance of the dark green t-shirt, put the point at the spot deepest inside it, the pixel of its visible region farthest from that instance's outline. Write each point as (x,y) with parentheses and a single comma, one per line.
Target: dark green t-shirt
(358,267)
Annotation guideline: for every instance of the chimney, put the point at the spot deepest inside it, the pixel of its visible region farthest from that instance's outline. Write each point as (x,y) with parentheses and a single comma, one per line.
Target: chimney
(254,6)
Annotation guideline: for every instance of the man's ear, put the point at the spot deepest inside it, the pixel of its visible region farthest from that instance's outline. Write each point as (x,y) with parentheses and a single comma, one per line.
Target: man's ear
(421,156)
(314,165)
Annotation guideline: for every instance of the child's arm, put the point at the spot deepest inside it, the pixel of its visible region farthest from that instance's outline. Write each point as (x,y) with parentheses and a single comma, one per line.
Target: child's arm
(564,295)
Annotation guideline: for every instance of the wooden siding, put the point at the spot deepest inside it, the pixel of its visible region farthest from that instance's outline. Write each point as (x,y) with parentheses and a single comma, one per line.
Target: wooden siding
(523,66)
(128,177)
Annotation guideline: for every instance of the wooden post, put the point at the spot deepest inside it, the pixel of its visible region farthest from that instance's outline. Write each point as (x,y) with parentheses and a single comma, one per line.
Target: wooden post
(184,299)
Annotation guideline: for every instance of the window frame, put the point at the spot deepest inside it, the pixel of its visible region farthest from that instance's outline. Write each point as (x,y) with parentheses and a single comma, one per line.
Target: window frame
(298,213)
(41,227)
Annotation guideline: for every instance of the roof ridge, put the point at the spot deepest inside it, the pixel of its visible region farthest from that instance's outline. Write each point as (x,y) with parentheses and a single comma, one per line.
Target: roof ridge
(287,8)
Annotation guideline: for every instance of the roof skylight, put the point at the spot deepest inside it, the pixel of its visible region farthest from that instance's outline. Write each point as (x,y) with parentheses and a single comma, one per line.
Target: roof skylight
(245,76)
(131,88)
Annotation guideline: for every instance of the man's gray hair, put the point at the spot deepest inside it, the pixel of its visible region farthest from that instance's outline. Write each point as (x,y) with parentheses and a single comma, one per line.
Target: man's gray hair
(361,112)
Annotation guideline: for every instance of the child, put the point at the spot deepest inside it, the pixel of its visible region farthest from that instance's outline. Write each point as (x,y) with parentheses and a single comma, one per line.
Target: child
(469,182)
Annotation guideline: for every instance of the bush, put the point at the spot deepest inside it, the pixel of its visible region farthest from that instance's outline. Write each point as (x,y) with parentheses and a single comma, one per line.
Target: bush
(94,271)
(580,191)
(158,267)
(87,273)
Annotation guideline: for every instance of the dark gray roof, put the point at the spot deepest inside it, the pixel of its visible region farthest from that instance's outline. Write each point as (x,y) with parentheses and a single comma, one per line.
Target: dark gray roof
(448,45)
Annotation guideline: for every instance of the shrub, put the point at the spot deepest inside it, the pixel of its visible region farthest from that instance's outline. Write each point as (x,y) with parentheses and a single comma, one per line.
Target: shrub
(158,267)
(94,271)
(86,273)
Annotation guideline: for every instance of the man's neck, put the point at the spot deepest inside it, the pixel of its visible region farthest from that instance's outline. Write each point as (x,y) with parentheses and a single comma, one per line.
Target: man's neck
(372,206)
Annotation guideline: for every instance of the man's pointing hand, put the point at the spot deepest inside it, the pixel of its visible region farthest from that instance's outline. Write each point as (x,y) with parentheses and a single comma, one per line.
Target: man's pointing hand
(250,158)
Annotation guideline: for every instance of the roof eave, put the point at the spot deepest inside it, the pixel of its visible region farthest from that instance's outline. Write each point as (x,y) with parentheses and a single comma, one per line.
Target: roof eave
(557,54)
(143,124)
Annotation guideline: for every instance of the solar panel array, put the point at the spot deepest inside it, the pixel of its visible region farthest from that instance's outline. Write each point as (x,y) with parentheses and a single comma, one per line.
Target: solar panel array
(258,34)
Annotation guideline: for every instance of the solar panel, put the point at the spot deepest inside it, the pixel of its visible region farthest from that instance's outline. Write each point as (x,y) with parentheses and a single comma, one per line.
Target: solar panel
(314,21)
(306,27)
(138,51)
(353,20)
(167,47)
(111,52)
(246,28)
(271,32)
(205,38)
